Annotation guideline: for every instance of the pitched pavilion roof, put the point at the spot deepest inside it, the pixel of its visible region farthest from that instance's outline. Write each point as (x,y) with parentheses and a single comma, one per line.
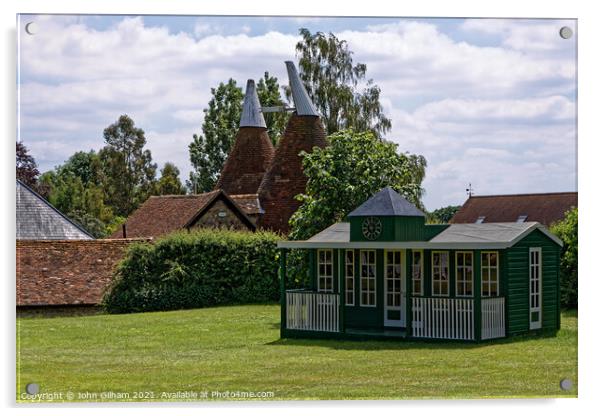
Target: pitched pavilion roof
(387,202)
(160,215)
(37,219)
(545,208)
(492,235)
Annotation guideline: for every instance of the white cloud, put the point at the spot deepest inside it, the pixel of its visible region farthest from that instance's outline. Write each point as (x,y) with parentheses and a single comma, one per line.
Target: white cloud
(498,116)
(526,35)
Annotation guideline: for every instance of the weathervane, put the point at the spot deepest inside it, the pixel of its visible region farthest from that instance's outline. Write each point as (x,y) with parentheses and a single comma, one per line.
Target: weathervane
(469,190)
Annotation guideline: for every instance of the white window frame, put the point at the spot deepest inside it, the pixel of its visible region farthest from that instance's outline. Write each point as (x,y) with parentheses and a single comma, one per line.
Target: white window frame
(489,267)
(349,289)
(325,277)
(536,266)
(461,272)
(367,278)
(440,269)
(420,279)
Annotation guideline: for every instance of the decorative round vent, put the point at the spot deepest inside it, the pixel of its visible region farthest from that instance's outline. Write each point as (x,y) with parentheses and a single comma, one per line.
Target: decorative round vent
(371,228)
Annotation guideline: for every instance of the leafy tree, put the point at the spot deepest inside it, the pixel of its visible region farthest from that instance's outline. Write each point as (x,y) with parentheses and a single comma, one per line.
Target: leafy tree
(333,83)
(443,215)
(349,171)
(127,168)
(27,168)
(209,151)
(567,231)
(83,203)
(169,183)
(84,165)
(268,91)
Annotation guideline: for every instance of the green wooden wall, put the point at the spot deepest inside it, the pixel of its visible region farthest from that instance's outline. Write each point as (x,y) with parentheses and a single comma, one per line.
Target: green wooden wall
(514,279)
(516,275)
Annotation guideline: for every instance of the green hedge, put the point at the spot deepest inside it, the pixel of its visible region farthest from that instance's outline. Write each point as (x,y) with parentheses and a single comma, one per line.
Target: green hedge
(194,270)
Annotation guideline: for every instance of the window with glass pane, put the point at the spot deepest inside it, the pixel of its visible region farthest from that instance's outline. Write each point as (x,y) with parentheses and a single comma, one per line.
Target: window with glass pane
(489,273)
(367,278)
(440,269)
(417,273)
(349,276)
(325,267)
(464,272)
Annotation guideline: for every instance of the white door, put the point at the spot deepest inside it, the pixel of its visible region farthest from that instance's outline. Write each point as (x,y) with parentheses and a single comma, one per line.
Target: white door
(395,288)
(535,287)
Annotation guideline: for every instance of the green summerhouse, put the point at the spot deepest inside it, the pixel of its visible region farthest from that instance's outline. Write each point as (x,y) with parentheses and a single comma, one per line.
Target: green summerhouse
(385,273)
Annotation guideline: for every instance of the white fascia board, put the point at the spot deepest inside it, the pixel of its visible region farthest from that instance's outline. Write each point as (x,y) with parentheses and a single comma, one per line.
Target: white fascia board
(541,228)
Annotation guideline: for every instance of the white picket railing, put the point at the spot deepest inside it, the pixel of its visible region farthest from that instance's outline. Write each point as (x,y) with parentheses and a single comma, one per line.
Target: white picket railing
(443,318)
(493,323)
(312,311)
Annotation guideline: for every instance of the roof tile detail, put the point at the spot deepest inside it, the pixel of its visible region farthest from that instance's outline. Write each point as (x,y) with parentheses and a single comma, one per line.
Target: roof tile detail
(545,208)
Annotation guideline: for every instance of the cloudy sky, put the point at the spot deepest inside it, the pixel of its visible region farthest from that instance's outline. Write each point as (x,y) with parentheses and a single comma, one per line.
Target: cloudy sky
(487,102)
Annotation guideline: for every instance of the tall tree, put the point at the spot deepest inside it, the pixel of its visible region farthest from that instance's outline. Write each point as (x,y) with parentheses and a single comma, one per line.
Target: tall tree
(27,168)
(128,171)
(84,165)
(349,171)
(82,202)
(567,231)
(169,183)
(333,83)
(442,215)
(268,91)
(209,150)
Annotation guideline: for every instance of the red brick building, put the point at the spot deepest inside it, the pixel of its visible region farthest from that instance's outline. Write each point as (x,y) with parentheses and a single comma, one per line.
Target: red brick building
(545,208)
(258,183)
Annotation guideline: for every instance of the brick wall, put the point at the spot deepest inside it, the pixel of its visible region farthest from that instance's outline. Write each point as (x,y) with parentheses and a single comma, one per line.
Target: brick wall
(66,272)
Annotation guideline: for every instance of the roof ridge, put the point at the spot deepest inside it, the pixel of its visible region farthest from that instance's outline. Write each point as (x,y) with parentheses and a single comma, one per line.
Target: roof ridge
(185,195)
(526,194)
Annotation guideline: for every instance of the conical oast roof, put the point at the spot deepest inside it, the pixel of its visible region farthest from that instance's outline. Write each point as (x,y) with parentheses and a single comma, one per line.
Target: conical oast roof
(285,178)
(252,152)
(303,105)
(251,109)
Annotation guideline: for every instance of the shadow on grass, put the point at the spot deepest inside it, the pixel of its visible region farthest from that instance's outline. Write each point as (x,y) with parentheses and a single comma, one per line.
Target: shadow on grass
(403,344)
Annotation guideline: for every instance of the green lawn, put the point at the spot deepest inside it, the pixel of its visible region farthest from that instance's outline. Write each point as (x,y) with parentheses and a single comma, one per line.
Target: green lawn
(238,348)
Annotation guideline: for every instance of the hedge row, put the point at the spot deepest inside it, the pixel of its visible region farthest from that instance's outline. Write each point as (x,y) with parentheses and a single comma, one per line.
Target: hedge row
(195,270)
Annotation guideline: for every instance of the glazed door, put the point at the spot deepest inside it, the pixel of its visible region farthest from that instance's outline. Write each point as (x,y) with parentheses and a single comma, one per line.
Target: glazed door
(395,289)
(535,288)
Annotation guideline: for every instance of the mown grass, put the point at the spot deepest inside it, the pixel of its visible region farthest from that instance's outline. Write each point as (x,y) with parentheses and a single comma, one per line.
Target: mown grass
(237,348)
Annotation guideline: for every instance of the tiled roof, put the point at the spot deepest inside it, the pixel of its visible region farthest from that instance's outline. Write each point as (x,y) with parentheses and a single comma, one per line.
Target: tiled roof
(249,159)
(160,215)
(285,178)
(249,203)
(389,203)
(37,219)
(545,208)
(66,272)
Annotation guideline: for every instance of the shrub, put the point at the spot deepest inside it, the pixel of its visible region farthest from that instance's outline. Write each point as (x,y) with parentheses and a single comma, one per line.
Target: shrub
(566,230)
(194,270)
